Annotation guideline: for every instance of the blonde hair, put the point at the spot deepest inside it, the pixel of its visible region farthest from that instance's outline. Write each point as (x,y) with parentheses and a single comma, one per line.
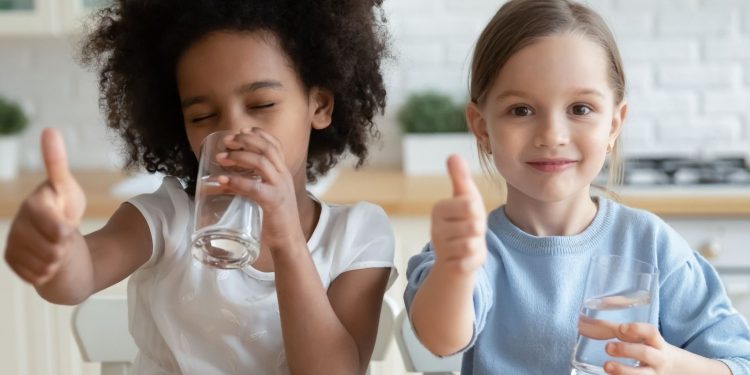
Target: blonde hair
(520,23)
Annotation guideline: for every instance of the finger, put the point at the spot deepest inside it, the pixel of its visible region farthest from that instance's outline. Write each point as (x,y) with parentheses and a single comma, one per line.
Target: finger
(41,215)
(640,332)
(616,368)
(256,140)
(463,184)
(55,158)
(33,267)
(33,243)
(257,165)
(275,146)
(463,247)
(26,275)
(645,354)
(596,328)
(452,230)
(253,188)
(459,208)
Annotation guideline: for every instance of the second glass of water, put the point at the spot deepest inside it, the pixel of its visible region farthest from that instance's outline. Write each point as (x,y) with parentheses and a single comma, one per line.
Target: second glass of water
(618,290)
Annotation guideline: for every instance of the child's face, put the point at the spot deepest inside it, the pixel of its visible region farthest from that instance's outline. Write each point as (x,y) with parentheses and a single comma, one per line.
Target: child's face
(232,80)
(549,118)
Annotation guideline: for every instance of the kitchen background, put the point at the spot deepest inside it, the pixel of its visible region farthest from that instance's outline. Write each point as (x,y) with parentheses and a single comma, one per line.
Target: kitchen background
(688,68)
(687,64)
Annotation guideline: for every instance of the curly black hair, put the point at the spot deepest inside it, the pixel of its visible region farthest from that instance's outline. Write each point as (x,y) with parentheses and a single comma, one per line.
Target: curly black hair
(134,45)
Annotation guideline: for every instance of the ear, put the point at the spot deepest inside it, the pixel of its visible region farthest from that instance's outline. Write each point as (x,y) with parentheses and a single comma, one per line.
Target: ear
(618,118)
(477,125)
(321,108)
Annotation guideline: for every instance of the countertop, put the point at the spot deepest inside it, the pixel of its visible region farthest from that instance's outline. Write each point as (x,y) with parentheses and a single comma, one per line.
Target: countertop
(398,194)
(402,195)
(100,203)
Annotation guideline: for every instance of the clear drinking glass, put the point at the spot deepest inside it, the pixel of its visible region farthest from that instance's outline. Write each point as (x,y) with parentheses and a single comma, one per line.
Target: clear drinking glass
(618,290)
(226,230)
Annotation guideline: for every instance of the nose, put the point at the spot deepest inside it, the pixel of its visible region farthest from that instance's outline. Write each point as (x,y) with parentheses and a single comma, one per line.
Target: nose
(235,119)
(551,132)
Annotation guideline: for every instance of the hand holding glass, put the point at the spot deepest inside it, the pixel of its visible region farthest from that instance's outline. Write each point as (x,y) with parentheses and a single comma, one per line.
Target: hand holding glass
(618,290)
(226,231)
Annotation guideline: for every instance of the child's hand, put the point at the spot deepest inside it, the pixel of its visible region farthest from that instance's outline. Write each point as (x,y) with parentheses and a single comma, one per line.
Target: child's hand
(258,151)
(41,234)
(642,342)
(459,223)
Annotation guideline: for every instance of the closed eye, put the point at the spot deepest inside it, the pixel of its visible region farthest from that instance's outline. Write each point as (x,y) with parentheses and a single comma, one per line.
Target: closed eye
(262,106)
(201,118)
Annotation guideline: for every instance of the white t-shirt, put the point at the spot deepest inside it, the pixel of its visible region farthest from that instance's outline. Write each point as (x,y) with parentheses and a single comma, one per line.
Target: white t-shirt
(193,319)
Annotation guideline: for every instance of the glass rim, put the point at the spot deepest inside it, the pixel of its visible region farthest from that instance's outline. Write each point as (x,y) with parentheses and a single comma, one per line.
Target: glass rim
(646,266)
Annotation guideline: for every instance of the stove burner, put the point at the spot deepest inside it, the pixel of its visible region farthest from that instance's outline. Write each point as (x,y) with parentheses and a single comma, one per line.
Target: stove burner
(686,171)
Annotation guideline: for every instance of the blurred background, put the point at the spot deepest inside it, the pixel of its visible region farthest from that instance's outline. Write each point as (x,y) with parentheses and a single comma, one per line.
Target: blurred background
(687,65)
(686,140)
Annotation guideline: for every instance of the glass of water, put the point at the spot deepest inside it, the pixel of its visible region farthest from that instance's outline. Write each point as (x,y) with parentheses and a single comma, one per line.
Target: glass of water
(226,227)
(618,290)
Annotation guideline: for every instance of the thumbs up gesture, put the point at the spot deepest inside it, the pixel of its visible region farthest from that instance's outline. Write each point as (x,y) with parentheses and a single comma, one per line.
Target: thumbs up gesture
(42,232)
(459,223)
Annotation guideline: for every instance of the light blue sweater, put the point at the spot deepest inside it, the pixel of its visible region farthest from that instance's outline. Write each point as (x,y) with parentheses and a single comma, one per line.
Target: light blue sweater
(529,292)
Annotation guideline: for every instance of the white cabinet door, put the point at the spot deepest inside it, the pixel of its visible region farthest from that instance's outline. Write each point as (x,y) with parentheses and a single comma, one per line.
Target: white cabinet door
(45,17)
(75,12)
(29,17)
(35,335)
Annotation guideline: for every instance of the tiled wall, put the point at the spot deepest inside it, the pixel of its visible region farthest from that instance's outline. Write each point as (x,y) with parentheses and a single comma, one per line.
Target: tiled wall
(687,62)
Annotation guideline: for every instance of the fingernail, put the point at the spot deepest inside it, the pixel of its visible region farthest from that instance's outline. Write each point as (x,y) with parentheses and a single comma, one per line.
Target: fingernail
(222,155)
(246,130)
(610,347)
(609,367)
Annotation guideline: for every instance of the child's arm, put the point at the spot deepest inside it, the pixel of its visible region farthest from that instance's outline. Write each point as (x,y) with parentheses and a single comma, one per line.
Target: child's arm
(325,332)
(329,332)
(46,248)
(442,311)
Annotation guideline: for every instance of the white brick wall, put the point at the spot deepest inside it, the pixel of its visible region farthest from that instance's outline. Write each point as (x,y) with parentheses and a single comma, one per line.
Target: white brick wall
(687,62)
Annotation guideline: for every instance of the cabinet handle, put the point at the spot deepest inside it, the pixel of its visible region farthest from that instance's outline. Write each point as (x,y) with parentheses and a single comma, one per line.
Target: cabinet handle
(710,250)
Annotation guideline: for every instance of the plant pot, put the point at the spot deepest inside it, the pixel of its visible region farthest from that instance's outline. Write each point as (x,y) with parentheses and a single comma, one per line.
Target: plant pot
(425,154)
(9,157)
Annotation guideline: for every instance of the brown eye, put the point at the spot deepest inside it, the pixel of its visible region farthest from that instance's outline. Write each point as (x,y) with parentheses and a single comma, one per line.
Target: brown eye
(521,111)
(581,110)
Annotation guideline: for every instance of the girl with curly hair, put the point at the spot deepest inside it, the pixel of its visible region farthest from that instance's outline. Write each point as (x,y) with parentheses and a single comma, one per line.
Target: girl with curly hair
(298,83)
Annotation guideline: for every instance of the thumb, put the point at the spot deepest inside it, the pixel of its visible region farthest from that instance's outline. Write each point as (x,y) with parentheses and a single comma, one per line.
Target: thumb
(463,184)
(55,158)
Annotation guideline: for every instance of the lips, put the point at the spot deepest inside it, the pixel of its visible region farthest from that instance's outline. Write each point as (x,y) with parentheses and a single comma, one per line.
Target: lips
(551,165)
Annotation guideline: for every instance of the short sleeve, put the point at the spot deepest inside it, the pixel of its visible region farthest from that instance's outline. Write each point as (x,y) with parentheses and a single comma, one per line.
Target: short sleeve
(372,243)
(157,209)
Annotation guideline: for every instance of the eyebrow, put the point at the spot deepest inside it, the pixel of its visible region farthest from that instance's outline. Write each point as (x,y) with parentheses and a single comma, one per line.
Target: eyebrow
(249,87)
(518,93)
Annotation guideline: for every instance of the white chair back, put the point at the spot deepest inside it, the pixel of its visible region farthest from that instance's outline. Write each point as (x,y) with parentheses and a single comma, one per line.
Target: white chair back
(416,357)
(100,327)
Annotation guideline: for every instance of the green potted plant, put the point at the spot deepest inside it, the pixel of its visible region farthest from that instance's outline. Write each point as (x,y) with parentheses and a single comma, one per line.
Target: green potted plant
(434,126)
(13,122)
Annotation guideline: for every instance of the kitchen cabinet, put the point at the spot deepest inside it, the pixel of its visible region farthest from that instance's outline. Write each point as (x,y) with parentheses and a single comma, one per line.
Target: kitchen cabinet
(44,17)
(35,335)
(725,242)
